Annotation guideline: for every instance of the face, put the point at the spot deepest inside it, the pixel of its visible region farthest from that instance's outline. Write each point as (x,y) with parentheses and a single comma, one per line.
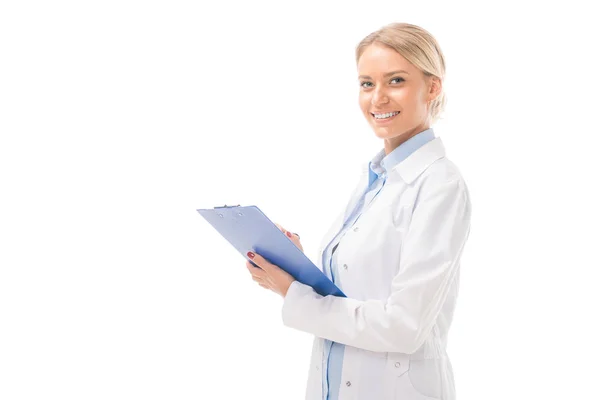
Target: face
(393,88)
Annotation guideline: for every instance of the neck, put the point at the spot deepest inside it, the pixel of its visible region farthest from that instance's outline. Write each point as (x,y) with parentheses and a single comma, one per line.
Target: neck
(390,144)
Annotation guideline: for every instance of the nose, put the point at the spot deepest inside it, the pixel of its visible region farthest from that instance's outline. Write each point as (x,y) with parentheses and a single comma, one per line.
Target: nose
(379,97)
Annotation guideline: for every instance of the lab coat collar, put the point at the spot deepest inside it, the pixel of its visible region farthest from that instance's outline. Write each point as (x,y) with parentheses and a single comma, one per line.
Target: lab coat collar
(414,165)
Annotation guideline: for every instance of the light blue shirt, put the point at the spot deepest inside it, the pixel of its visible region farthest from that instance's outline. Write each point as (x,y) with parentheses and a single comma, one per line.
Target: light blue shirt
(378,169)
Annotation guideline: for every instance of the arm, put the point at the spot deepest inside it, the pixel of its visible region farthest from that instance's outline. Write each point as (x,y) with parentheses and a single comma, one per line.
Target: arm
(433,245)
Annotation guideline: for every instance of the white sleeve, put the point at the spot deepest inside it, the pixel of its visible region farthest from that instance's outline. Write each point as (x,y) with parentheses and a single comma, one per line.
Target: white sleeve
(430,258)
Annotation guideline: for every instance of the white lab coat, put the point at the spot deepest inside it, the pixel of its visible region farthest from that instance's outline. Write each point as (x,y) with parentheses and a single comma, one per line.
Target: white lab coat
(400,273)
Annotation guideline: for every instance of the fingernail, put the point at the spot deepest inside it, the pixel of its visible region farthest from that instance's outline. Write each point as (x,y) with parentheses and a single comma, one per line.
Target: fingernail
(250,254)
(289,234)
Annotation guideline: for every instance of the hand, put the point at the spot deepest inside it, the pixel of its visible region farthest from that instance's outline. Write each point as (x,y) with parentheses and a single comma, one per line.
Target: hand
(269,276)
(293,237)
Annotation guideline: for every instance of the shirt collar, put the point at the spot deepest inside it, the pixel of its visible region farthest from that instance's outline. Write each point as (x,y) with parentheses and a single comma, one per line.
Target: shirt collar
(381,163)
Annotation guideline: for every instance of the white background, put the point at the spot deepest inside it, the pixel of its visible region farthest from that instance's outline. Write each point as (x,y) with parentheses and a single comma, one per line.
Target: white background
(118,119)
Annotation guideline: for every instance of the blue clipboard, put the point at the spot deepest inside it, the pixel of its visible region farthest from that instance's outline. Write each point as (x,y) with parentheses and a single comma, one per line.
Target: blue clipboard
(249,229)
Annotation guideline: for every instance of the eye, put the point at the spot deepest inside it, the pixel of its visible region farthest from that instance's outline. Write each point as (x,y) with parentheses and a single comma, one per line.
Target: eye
(363,83)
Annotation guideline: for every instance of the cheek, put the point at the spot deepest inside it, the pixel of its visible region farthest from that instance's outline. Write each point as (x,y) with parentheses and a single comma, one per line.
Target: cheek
(411,103)
(364,102)
(403,97)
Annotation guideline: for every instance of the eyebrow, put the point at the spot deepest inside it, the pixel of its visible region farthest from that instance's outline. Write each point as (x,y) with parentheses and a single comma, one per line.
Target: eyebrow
(400,71)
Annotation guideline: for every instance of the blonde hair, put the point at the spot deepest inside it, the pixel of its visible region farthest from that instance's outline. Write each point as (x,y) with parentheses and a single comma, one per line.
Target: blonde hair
(419,47)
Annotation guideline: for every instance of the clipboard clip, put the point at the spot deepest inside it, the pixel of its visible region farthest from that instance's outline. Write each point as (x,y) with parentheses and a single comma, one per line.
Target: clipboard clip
(226,206)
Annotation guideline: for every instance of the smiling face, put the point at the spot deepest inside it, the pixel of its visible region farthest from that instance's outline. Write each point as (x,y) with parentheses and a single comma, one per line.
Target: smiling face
(394,95)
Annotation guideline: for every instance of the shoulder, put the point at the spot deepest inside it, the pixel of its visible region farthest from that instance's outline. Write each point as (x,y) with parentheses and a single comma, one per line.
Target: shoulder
(443,178)
(439,172)
(442,185)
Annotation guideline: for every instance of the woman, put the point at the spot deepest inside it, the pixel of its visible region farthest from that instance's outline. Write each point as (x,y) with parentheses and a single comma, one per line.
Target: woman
(395,251)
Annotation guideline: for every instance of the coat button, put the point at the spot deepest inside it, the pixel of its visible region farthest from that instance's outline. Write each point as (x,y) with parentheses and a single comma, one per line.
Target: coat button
(397,365)
(356,229)
(345,266)
(348,384)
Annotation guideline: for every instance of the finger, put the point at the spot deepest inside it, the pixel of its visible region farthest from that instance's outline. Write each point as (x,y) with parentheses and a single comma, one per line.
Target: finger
(260,261)
(251,266)
(261,275)
(285,231)
(254,271)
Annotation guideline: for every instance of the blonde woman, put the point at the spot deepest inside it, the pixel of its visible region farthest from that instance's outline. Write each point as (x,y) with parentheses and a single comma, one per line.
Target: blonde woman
(395,250)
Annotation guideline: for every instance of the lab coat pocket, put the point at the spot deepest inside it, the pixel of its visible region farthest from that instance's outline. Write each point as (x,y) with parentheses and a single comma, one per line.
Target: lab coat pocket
(398,365)
(424,377)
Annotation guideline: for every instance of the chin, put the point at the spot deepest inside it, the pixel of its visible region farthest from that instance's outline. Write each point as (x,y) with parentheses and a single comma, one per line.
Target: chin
(382,133)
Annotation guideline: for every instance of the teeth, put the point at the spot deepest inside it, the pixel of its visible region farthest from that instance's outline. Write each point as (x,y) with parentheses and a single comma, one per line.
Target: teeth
(383,116)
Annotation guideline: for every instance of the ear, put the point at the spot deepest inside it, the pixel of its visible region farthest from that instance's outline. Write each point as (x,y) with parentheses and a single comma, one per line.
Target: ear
(435,87)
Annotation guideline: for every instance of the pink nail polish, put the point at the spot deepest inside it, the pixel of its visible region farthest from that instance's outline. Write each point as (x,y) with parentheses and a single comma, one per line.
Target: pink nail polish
(289,234)
(250,254)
